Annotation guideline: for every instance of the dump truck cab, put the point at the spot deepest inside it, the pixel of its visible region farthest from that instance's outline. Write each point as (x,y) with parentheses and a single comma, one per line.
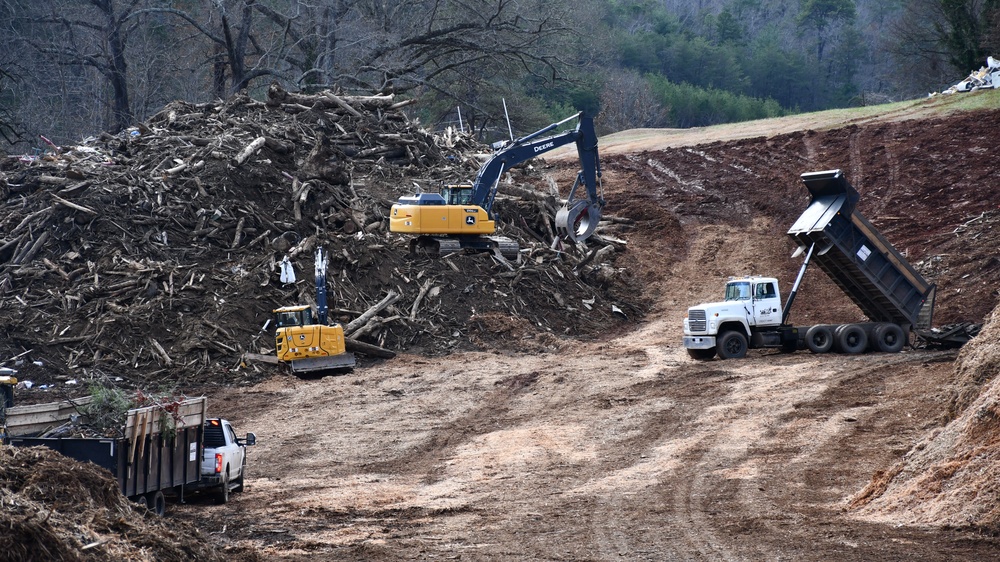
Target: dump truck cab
(748,303)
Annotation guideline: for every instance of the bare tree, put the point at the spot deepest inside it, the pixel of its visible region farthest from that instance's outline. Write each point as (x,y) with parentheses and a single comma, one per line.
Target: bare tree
(627,102)
(94,34)
(10,130)
(443,48)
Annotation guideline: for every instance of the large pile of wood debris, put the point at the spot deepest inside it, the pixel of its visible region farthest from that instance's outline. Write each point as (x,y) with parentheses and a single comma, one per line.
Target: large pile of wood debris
(155,255)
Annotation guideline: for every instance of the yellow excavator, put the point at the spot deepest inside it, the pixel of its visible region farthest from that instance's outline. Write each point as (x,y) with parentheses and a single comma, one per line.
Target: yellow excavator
(461,216)
(7,382)
(309,344)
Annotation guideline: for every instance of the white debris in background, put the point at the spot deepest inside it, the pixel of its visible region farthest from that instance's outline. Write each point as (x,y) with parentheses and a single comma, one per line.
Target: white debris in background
(287,272)
(986,77)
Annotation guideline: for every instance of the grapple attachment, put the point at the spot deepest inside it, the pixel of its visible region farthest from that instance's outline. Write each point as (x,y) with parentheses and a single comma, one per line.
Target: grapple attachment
(577,220)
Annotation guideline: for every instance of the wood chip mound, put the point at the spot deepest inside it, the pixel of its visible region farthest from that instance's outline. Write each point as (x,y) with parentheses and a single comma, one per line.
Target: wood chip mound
(951,477)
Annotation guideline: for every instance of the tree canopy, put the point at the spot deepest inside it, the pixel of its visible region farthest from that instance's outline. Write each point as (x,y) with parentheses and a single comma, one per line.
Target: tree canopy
(101,65)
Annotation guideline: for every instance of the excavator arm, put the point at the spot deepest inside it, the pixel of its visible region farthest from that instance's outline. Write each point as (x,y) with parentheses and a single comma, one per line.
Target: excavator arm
(578,219)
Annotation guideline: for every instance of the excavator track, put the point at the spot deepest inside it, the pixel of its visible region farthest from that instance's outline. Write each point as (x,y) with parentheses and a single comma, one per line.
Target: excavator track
(508,248)
(441,246)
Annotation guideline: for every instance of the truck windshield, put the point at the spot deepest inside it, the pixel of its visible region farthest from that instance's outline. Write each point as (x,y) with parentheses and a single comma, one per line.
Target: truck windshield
(737,291)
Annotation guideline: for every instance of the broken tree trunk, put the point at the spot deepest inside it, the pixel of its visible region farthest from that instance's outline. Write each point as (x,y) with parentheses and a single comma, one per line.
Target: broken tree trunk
(360,321)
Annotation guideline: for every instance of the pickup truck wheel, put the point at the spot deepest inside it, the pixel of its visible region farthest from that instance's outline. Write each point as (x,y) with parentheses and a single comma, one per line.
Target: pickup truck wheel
(819,338)
(222,496)
(889,338)
(239,481)
(732,345)
(852,339)
(701,354)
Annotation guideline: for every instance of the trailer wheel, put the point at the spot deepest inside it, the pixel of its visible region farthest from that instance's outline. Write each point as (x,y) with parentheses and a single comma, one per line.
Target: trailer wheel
(889,338)
(851,338)
(732,345)
(141,501)
(156,502)
(819,338)
(701,354)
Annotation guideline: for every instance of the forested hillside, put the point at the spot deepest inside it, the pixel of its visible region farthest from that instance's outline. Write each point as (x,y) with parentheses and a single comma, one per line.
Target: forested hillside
(72,69)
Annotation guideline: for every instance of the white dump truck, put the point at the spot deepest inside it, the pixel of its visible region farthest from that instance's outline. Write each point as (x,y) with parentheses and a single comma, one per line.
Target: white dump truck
(889,291)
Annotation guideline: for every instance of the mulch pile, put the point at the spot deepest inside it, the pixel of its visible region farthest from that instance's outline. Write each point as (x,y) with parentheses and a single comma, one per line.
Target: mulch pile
(153,256)
(951,477)
(56,508)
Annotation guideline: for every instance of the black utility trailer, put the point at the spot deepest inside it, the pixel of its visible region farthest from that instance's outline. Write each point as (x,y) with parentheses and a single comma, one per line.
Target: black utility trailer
(161,453)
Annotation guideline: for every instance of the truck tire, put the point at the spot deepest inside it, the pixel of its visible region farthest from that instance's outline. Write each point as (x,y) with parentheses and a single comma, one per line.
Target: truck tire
(701,354)
(819,338)
(732,345)
(889,338)
(852,339)
(243,474)
(156,502)
(141,501)
(222,495)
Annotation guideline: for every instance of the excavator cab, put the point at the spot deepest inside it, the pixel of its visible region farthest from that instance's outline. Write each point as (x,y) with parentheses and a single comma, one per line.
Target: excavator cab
(457,194)
(293,316)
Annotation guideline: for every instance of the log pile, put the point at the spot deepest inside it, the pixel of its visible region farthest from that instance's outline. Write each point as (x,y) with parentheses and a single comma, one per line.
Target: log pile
(154,254)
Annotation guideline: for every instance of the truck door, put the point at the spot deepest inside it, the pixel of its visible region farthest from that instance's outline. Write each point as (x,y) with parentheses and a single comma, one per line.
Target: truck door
(766,304)
(236,469)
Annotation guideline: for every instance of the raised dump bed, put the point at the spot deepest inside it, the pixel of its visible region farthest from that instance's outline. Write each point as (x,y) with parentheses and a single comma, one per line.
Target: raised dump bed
(858,258)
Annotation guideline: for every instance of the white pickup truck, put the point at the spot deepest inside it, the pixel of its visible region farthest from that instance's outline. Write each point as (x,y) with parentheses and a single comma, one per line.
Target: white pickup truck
(224,462)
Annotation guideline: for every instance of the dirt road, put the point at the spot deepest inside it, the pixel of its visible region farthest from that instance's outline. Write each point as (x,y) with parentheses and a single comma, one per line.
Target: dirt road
(624,449)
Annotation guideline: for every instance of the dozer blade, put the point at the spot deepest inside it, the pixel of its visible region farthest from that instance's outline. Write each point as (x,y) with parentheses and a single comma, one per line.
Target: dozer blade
(312,364)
